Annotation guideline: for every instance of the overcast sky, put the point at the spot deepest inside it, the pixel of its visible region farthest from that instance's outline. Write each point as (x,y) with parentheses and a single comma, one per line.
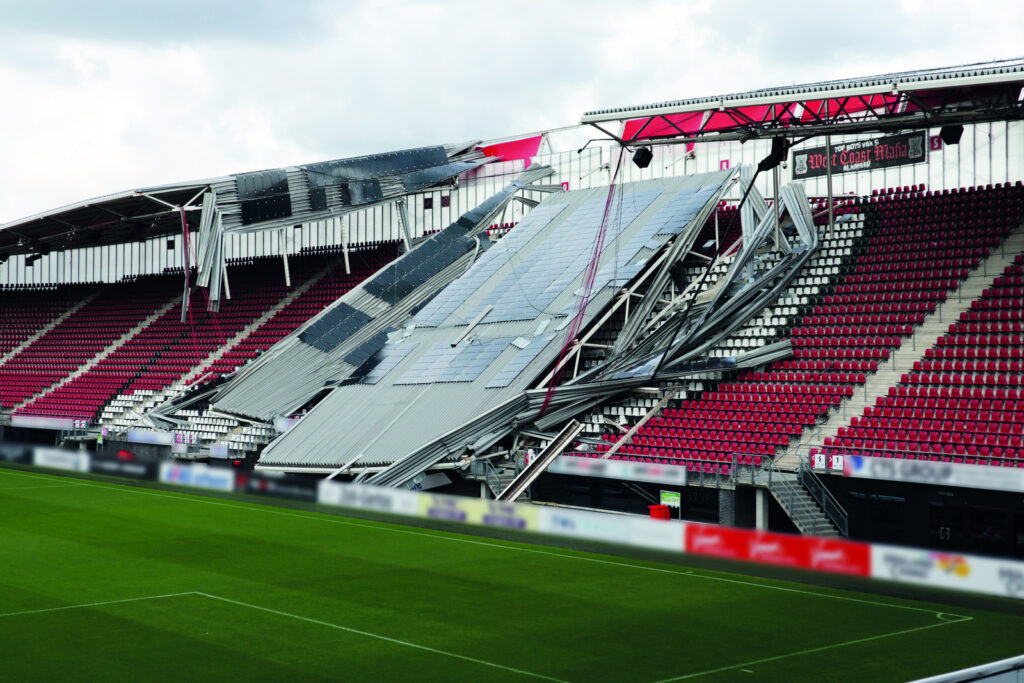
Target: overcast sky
(107,95)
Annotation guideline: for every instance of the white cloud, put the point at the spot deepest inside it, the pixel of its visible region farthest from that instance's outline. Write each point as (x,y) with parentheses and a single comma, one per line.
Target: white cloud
(102,101)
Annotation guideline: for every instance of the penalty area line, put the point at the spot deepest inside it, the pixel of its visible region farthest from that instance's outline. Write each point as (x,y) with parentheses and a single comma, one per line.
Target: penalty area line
(94,604)
(822,648)
(378,636)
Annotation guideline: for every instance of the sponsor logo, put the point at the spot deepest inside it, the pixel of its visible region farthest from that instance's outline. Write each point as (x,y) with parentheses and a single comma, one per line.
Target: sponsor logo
(198,476)
(121,468)
(447,509)
(903,568)
(504,515)
(61,460)
(1013,581)
(281,489)
(956,565)
(923,566)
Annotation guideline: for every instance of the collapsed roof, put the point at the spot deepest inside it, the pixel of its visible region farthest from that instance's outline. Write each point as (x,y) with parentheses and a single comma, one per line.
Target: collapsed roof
(462,371)
(244,202)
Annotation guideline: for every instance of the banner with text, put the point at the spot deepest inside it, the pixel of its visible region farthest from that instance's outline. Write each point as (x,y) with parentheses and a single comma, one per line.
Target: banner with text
(935,473)
(862,155)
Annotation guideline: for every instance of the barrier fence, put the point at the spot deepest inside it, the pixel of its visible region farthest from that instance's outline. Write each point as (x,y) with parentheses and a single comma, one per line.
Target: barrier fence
(991,576)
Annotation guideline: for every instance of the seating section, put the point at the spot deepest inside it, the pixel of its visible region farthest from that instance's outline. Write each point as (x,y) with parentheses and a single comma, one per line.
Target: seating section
(964,401)
(914,248)
(323,292)
(163,352)
(25,311)
(115,311)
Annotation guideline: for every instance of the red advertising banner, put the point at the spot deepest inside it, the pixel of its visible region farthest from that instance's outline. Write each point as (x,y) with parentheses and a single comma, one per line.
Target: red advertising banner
(786,550)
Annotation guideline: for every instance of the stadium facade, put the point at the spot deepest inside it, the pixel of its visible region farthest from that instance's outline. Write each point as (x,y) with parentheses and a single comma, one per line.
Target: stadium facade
(798,308)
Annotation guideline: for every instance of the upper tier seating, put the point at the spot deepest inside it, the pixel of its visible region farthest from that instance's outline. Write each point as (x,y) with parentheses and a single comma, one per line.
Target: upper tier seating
(964,402)
(916,247)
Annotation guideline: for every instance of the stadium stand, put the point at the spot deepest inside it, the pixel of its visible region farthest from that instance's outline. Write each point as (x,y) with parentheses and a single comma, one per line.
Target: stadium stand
(123,344)
(880,314)
(964,401)
(874,283)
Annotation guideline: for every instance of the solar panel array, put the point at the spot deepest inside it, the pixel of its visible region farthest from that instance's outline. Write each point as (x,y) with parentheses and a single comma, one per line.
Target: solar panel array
(683,207)
(671,219)
(365,351)
(462,363)
(519,361)
(403,276)
(388,357)
(452,296)
(335,326)
(562,257)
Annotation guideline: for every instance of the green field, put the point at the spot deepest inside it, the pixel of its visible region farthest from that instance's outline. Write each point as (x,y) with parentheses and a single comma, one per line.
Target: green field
(106,581)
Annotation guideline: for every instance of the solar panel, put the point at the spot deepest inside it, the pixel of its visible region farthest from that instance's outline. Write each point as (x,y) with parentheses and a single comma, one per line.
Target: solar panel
(333,327)
(474,359)
(456,293)
(519,361)
(264,195)
(387,358)
(463,363)
(403,276)
(365,351)
(562,257)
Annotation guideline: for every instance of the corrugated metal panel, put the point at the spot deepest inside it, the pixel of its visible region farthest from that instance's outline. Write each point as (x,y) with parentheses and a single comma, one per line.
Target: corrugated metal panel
(285,378)
(416,425)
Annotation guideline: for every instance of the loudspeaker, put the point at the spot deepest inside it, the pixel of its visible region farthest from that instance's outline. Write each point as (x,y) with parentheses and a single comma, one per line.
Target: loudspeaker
(777,155)
(951,134)
(642,157)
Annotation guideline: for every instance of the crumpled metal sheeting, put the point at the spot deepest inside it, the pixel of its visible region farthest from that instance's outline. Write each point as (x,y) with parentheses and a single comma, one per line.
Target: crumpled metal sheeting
(735,302)
(289,374)
(679,249)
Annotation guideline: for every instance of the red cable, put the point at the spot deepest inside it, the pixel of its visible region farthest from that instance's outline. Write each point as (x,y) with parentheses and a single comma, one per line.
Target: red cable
(588,286)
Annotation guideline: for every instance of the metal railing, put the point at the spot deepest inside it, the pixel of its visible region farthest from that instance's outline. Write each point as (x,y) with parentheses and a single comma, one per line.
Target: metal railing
(484,468)
(824,498)
(789,492)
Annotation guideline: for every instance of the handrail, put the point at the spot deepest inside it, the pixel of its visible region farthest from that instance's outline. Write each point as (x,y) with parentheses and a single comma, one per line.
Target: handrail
(824,498)
(786,492)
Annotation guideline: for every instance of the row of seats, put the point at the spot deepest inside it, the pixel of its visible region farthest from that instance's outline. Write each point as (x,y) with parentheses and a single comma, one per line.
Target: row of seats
(936,249)
(967,408)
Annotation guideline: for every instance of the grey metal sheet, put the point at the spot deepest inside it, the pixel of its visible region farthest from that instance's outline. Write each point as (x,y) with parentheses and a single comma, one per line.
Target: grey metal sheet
(429,408)
(291,372)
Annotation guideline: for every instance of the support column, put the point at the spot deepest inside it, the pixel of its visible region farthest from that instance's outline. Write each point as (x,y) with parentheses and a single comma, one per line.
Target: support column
(761,509)
(727,507)
(284,256)
(483,489)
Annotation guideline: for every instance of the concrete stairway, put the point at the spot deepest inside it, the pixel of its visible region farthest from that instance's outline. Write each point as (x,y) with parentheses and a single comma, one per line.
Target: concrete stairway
(902,360)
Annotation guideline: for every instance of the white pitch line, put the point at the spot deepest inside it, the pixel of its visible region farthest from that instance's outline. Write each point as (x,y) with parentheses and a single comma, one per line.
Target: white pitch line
(812,650)
(31,475)
(196,498)
(94,604)
(23,488)
(378,636)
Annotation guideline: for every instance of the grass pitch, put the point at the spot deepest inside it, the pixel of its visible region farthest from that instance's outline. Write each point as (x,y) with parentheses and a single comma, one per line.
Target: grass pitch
(112,582)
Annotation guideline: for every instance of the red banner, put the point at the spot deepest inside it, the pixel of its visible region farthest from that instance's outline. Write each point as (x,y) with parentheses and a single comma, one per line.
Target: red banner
(786,550)
(514,149)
